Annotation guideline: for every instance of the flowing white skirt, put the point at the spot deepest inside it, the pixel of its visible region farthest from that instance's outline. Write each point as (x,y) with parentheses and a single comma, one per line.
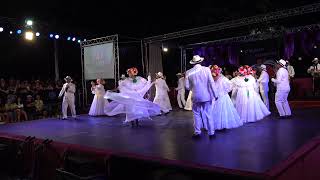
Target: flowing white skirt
(224,114)
(250,106)
(97,106)
(164,102)
(134,106)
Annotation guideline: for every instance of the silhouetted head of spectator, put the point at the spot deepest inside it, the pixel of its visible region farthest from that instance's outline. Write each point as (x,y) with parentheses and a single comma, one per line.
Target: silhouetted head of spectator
(38,97)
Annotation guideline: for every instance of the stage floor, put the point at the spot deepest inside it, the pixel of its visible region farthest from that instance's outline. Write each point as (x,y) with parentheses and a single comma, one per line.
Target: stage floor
(254,147)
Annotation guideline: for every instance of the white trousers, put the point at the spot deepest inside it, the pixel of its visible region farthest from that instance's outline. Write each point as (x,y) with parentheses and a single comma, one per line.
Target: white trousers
(188,105)
(181,98)
(68,101)
(202,114)
(264,95)
(281,100)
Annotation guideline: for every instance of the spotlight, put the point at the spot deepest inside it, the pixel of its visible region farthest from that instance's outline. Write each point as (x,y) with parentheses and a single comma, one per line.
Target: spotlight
(69,38)
(10,32)
(1,29)
(29,35)
(79,41)
(165,49)
(241,51)
(315,46)
(85,40)
(19,31)
(29,22)
(74,39)
(51,35)
(37,34)
(56,36)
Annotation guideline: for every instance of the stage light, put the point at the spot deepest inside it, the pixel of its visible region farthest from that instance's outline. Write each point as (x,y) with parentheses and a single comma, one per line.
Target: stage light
(51,35)
(1,29)
(29,22)
(165,49)
(79,41)
(315,46)
(19,31)
(241,51)
(29,35)
(10,32)
(56,36)
(69,38)
(37,34)
(85,40)
(74,39)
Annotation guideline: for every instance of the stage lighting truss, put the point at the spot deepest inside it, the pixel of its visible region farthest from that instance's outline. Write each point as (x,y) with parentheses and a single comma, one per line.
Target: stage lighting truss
(257,37)
(312,8)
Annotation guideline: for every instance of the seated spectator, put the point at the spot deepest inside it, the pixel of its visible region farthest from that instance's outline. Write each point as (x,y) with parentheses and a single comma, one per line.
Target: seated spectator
(51,100)
(4,116)
(10,108)
(20,110)
(38,103)
(29,107)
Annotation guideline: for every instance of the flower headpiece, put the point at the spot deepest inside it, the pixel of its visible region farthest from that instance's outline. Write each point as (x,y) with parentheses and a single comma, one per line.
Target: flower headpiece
(215,70)
(133,71)
(246,70)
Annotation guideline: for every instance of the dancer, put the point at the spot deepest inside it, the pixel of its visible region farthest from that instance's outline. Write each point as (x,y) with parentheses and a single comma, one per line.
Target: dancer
(234,87)
(181,91)
(248,102)
(162,97)
(224,114)
(98,103)
(290,70)
(283,89)
(68,90)
(200,81)
(264,84)
(188,106)
(130,99)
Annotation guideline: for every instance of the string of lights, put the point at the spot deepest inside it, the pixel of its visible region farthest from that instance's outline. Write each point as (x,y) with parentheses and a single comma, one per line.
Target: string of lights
(29,30)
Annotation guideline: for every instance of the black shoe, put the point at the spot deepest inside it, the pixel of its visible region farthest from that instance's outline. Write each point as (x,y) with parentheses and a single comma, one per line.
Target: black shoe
(137,123)
(196,136)
(281,117)
(288,117)
(132,124)
(212,136)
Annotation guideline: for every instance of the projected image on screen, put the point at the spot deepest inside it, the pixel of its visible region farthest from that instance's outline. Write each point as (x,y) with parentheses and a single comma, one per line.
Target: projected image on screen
(99,61)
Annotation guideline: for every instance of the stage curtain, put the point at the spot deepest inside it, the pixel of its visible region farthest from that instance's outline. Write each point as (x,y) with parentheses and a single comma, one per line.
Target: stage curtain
(154,63)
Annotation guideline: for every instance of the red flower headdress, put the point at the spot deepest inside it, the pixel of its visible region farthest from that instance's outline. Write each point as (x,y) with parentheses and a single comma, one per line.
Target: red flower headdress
(133,71)
(246,70)
(215,70)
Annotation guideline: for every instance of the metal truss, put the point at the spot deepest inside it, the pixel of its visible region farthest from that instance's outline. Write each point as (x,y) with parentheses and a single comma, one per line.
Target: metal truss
(256,37)
(238,23)
(103,40)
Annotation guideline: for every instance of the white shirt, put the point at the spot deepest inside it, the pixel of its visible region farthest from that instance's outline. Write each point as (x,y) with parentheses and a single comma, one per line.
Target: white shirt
(291,71)
(181,84)
(314,68)
(199,80)
(70,91)
(263,80)
(282,80)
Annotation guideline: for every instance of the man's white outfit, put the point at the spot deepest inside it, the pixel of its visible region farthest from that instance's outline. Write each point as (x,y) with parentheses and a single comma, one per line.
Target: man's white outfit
(291,71)
(181,93)
(68,90)
(264,87)
(283,89)
(199,80)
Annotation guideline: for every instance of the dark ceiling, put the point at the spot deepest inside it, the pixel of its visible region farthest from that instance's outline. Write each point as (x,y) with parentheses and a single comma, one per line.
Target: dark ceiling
(137,19)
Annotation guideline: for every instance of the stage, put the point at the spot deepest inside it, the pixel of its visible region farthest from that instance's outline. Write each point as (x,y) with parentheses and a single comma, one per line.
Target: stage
(253,148)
